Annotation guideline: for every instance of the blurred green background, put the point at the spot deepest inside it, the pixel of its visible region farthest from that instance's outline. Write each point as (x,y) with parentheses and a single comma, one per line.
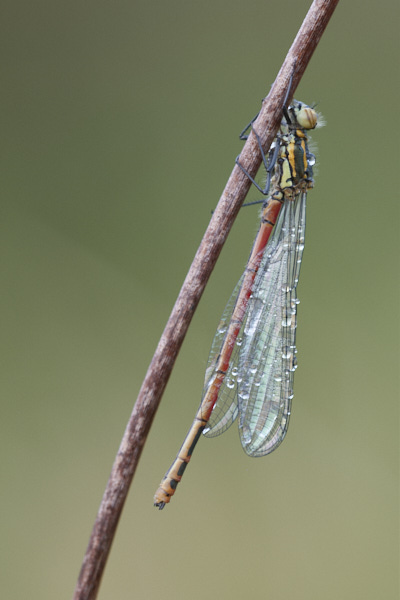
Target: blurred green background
(120,126)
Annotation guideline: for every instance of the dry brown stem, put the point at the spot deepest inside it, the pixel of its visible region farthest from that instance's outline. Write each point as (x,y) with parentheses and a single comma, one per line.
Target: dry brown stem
(171,340)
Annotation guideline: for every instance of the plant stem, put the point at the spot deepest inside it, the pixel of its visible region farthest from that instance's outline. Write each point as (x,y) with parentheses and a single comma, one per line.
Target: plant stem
(204,261)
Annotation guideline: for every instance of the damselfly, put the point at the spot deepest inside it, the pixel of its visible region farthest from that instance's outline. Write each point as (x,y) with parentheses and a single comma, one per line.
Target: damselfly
(253,356)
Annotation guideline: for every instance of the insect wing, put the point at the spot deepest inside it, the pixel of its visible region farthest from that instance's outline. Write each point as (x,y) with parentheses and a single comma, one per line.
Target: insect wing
(267,359)
(225,410)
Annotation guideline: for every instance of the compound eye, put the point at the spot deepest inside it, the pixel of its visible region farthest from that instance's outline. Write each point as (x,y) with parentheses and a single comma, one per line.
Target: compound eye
(306,117)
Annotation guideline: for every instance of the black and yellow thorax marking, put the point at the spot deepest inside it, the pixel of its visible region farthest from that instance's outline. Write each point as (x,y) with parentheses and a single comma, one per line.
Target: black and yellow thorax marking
(293,170)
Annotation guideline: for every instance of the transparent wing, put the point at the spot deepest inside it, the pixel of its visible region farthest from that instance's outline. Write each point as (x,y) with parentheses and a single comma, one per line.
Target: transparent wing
(267,358)
(259,382)
(225,410)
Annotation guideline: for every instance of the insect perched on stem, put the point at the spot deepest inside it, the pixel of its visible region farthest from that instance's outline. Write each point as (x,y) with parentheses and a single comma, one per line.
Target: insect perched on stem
(253,356)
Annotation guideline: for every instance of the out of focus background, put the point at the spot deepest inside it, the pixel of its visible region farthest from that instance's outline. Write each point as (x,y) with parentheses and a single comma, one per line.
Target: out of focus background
(120,125)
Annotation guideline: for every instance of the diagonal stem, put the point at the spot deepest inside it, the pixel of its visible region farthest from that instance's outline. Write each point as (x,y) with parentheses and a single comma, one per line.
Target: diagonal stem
(160,368)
